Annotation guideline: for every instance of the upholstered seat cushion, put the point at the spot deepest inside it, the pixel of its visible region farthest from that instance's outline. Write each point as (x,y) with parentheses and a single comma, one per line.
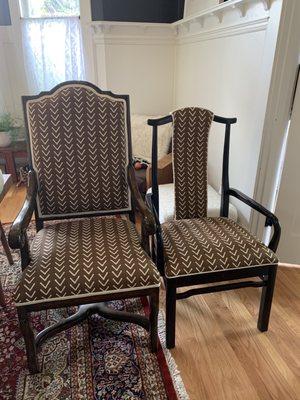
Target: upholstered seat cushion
(82,258)
(194,246)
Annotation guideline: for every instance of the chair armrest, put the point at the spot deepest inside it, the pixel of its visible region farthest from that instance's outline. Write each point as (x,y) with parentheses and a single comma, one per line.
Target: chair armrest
(271,219)
(164,171)
(149,202)
(17,233)
(148,218)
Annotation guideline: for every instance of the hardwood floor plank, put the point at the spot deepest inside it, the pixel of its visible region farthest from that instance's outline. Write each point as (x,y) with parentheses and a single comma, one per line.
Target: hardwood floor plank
(284,324)
(271,360)
(210,354)
(259,353)
(12,203)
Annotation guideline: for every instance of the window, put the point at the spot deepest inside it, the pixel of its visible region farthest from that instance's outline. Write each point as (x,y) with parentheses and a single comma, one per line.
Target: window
(49,8)
(52,42)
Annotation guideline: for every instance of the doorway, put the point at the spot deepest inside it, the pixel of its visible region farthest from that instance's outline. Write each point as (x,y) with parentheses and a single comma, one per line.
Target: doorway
(287,196)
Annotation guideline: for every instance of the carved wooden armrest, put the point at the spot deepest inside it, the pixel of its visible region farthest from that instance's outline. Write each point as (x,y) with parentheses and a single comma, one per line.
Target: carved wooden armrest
(148,218)
(17,237)
(164,171)
(271,219)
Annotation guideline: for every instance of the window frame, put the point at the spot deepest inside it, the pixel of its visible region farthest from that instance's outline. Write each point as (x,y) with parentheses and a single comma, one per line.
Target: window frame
(24,5)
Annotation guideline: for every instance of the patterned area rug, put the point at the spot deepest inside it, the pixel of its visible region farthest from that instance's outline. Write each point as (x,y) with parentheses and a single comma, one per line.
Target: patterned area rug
(99,359)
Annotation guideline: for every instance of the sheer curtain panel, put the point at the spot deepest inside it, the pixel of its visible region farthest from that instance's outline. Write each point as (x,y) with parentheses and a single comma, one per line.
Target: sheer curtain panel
(53,51)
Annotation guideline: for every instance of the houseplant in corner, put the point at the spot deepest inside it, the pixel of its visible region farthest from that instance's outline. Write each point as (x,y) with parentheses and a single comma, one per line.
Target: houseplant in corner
(7,124)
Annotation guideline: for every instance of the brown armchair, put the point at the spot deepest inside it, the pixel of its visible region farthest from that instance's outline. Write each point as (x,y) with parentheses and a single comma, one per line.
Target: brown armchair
(93,254)
(194,249)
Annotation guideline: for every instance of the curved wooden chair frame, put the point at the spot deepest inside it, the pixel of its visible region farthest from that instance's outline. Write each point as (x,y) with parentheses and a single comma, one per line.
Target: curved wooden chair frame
(266,274)
(93,304)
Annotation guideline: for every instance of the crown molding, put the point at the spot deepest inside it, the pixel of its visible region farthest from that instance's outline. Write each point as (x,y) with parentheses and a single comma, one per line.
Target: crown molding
(219,11)
(225,31)
(188,30)
(139,28)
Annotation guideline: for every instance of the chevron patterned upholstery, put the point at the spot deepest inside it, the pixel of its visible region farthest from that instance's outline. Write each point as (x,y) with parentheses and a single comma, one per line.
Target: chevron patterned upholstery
(86,257)
(201,245)
(190,140)
(76,135)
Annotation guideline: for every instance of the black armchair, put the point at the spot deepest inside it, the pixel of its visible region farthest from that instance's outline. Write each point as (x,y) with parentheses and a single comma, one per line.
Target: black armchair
(194,249)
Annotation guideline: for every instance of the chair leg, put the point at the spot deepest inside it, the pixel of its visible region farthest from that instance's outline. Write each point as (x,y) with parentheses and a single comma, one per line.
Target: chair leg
(170,314)
(31,350)
(266,301)
(5,245)
(154,306)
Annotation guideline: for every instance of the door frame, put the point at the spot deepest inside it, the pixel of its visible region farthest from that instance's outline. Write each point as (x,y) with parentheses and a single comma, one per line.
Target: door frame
(285,67)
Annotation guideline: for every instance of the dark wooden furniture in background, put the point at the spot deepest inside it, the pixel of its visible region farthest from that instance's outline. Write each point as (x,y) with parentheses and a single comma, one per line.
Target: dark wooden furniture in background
(10,154)
(171,240)
(7,184)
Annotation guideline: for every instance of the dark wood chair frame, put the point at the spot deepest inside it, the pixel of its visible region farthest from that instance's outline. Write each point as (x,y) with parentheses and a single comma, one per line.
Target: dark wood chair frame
(266,274)
(6,186)
(93,304)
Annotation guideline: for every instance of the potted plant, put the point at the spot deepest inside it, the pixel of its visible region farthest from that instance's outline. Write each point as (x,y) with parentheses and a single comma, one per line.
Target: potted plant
(7,125)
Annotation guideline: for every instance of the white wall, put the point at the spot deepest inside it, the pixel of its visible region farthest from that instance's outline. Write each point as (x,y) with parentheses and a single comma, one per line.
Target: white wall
(131,58)
(4,100)
(146,74)
(12,76)
(136,59)
(8,73)
(225,65)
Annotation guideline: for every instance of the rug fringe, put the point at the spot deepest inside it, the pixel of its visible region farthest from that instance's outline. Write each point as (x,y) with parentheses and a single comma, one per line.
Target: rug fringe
(175,374)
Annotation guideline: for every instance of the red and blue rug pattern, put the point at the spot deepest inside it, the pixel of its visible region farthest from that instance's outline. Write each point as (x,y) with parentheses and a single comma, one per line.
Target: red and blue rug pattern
(99,359)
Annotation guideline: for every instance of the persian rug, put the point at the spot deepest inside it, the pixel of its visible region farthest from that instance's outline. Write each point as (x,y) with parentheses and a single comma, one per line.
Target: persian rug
(99,359)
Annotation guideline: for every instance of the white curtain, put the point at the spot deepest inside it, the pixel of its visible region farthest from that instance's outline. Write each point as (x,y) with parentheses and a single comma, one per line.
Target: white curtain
(53,51)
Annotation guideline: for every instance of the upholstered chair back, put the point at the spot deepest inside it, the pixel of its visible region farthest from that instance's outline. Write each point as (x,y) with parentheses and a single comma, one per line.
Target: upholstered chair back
(80,148)
(191,127)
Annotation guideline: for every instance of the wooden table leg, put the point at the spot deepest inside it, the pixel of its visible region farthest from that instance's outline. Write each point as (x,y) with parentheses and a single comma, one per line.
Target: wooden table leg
(5,245)
(10,166)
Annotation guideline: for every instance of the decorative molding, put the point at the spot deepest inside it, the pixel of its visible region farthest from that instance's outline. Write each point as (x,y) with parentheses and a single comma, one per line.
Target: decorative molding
(219,11)
(225,31)
(108,32)
(241,8)
(154,29)
(267,4)
(191,29)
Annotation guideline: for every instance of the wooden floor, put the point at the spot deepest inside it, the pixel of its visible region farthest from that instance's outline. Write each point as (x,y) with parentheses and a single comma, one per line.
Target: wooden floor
(12,203)
(219,351)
